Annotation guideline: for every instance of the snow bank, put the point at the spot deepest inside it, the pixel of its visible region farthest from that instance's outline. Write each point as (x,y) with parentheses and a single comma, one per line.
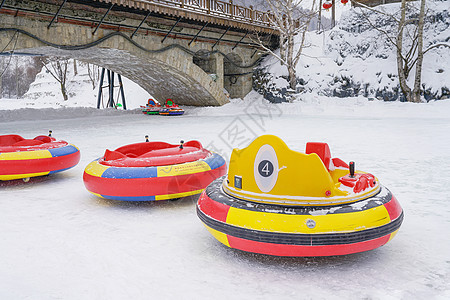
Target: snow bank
(58,241)
(31,114)
(308,104)
(356,59)
(45,91)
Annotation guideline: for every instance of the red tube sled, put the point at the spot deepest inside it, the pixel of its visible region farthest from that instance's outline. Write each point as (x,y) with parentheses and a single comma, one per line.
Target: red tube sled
(152,171)
(22,158)
(152,108)
(281,202)
(171,109)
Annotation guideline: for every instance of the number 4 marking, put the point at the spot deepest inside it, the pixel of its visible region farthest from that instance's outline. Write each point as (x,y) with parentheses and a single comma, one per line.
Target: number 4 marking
(265,169)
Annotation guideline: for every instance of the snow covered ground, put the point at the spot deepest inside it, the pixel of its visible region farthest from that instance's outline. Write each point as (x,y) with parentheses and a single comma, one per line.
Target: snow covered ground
(57,241)
(60,242)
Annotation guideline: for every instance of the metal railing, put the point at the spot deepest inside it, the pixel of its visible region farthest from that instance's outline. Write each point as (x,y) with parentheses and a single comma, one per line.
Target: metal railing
(217,8)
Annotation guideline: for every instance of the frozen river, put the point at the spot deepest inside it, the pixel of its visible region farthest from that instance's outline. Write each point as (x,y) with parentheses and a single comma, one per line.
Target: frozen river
(57,241)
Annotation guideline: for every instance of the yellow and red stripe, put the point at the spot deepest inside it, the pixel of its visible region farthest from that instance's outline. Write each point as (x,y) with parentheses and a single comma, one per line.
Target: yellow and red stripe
(152,183)
(32,163)
(299,231)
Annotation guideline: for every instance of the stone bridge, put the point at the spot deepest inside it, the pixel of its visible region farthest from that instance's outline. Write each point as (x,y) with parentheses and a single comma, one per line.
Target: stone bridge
(187,50)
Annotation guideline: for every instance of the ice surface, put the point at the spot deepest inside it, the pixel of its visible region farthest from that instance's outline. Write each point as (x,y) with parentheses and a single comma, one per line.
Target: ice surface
(57,241)
(60,242)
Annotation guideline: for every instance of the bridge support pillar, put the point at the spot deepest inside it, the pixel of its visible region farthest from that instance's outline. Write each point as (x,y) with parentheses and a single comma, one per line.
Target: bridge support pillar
(237,81)
(191,74)
(247,84)
(238,85)
(219,68)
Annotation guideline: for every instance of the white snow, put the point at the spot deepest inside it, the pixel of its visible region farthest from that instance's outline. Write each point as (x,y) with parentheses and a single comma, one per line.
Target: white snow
(365,57)
(60,242)
(45,92)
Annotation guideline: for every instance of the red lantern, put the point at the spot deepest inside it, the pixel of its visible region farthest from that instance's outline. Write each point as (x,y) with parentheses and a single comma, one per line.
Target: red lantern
(344,1)
(327,5)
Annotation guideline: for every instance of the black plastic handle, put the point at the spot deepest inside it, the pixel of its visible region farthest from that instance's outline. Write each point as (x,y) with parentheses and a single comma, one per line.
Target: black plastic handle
(351,166)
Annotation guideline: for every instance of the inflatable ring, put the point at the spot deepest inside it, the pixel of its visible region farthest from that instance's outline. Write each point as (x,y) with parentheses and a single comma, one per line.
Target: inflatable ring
(297,204)
(153,171)
(152,108)
(24,158)
(171,109)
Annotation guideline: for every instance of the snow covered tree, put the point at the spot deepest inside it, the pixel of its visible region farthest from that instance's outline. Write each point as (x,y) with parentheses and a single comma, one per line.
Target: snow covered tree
(407,40)
(406,59)
(58,68)
(290,20)
(17,73)
(93,73)
(75,68)
(1,77)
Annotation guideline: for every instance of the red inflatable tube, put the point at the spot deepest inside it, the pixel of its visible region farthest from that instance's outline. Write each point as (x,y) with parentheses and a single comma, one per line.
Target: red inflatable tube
(50,164)
(113,188)
(219,212)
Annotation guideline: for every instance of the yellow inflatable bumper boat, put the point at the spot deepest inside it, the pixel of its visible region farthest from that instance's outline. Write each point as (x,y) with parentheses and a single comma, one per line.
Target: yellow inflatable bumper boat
(281,202)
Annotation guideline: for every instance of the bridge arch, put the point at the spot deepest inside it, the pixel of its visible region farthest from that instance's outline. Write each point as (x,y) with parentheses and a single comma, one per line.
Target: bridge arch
(154,48)
(169,74)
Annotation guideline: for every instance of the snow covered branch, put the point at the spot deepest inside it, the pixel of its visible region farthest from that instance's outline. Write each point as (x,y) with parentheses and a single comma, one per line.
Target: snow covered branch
(290,19)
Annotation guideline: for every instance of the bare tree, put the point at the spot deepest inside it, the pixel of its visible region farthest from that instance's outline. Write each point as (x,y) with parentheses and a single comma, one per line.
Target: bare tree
(290,20)
(420,53)
(408,43)
(75,69)
(18,70)
(1,77)
(406,59)
(58,68)
(17,73)
(94,74)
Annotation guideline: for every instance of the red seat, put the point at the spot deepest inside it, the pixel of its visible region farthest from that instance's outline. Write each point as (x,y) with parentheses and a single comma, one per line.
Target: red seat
(28,143)
(112,155)
(339,163)
(193,143)
(9,139)
(43,138)
(141,148)
(169,152)
(322,150)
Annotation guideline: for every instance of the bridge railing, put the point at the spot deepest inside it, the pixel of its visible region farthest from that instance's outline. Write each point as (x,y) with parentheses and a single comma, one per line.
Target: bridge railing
(220,9)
